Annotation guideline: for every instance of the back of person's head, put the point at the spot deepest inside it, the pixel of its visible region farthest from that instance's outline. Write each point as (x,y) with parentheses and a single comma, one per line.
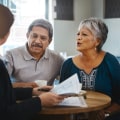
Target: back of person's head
(97,27)
(42,23)
(6,20)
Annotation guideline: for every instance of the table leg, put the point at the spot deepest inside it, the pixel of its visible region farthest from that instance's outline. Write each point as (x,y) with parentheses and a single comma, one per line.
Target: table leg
(81,116)
(54,117)
(92,115)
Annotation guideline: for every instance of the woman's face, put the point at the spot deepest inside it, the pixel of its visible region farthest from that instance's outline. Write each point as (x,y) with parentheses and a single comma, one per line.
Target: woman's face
(86,40)
(38,40)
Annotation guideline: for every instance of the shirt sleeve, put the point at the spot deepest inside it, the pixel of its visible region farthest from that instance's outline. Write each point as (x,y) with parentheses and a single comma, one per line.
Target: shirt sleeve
(23,93)
(8,104)
(8,60)
(32,105)
(66,70)
(114,69)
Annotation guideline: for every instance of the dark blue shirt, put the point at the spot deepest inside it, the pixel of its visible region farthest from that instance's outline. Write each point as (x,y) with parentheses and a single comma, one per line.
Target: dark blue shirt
(107,78)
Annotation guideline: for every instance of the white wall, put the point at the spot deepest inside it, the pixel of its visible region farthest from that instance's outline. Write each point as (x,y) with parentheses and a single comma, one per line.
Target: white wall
(65,31)
(112,44)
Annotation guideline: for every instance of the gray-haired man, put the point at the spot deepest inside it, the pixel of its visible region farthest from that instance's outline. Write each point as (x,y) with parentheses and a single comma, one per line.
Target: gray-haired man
(34,60)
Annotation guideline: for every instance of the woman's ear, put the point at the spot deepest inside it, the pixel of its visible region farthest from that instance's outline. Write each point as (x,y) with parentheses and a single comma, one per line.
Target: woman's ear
(97,42)
(4,39)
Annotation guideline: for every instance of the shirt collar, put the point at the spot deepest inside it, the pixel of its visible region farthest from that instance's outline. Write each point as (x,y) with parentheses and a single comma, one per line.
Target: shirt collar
(46,54)
(28,56)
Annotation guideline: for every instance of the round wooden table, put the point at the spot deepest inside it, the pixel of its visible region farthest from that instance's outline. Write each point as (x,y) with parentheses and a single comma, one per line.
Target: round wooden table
(96,101)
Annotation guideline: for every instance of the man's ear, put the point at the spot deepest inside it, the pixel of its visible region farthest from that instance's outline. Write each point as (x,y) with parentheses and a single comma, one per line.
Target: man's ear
(4,39)
(50,40)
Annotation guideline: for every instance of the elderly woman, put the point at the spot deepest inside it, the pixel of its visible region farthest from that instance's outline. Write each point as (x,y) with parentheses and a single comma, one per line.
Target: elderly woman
(96,69)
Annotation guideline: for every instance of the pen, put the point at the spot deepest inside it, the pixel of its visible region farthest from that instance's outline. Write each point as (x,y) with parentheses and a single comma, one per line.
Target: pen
(43,90)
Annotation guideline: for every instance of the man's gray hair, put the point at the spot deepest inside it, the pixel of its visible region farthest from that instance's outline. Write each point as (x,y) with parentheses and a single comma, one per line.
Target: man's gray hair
(42,23)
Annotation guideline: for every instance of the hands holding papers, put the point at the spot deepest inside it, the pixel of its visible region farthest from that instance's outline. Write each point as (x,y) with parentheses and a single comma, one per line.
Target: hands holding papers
(70,87)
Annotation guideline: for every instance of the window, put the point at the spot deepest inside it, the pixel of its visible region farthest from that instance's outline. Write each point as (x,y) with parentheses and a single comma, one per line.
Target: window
(25,12)
(112,8)
(64,10)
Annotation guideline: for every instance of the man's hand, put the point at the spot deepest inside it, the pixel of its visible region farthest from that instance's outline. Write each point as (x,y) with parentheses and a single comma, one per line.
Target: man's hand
(24,84)
(39,90)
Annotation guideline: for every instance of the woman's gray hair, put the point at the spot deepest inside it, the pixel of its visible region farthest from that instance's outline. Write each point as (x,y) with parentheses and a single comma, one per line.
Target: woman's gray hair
(97,27)
(42,23)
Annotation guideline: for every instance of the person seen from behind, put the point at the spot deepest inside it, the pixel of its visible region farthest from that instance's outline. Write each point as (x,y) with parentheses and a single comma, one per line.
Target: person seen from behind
(29,106)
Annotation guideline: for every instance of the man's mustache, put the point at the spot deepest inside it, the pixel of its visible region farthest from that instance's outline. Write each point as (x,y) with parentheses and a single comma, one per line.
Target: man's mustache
(36,45)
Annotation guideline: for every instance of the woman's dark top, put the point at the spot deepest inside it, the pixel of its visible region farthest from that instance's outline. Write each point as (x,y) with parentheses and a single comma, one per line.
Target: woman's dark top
(9,109)
(106,79)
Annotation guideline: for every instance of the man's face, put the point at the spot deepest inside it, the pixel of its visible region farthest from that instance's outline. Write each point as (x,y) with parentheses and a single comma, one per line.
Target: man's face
(38,40)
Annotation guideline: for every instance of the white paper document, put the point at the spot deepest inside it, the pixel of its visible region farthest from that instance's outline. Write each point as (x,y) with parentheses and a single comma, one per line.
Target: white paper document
(70,87)
(74,101)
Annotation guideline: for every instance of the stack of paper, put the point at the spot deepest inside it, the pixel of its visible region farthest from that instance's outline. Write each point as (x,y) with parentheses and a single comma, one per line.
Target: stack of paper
(72,88)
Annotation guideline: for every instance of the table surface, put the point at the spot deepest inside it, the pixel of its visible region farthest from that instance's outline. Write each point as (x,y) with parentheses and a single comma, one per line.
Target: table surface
(95,101)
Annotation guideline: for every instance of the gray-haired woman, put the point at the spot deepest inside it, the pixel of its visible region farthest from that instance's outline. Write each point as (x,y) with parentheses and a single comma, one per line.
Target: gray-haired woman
(97,69)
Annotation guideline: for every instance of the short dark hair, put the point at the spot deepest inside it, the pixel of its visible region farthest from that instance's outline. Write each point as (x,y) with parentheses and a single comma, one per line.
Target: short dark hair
(6,20)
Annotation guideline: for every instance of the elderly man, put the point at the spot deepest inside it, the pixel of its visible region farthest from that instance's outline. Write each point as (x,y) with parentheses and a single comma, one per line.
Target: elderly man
(34,61)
